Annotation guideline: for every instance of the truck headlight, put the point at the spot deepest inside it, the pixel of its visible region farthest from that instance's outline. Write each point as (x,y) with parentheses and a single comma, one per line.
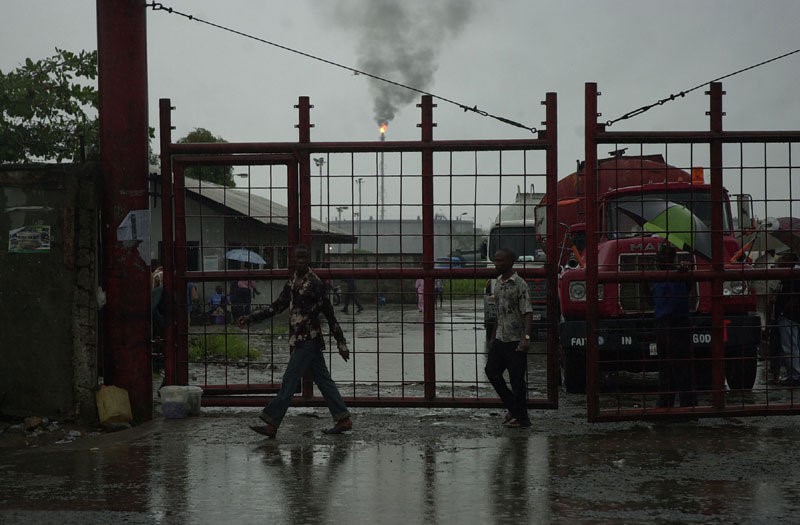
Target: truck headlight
(577,291)
(735,288)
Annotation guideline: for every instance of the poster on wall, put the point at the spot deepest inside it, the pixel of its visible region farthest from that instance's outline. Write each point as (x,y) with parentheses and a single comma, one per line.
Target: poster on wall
(29,239)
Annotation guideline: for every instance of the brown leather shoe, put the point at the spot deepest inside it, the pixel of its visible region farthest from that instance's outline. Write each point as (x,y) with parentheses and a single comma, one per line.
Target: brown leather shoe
(265,430)
(343,425)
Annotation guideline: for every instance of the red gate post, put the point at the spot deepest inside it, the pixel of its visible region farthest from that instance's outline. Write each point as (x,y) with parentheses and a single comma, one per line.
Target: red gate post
(717,262)
(590,146)
(551,265)
(429,299)
(168,262)
(302,205)
(122,82)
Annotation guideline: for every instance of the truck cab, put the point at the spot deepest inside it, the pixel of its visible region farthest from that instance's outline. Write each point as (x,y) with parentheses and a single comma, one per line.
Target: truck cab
(625,329)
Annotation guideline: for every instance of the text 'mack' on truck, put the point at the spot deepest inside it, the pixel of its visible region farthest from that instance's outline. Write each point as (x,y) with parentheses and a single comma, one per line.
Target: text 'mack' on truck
(515,229)
(626,337)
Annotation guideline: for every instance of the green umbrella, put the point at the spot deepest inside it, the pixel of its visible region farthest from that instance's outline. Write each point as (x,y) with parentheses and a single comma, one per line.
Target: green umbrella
(673,222)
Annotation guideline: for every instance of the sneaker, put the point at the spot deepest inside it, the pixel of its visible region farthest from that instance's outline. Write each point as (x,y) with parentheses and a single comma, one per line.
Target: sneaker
(507,418)
(515,423)
(341,426)
(268,430)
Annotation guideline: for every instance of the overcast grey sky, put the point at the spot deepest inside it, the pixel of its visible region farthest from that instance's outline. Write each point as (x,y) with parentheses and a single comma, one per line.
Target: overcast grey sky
(502,56)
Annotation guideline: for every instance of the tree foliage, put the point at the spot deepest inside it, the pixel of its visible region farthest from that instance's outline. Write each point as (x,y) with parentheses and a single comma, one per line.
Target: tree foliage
(222,175)
(47,106)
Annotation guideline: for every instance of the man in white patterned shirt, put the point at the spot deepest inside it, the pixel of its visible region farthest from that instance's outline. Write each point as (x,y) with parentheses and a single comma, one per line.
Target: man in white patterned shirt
(510,340)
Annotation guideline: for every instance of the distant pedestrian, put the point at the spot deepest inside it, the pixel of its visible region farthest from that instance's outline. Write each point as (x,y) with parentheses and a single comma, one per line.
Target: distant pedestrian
(419,285)
(193,307)
(350,295)
(243,295)
(510,340)
(438,288)
(304,295)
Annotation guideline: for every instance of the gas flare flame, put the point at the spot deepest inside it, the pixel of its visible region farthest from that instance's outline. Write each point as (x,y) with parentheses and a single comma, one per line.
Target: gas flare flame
(383,128)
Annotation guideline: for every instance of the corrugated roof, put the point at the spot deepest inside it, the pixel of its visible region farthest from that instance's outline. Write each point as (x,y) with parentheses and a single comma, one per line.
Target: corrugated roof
(260,208)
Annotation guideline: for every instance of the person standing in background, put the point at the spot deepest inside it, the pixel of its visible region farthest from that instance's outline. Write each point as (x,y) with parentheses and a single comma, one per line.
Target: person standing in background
(350,295)
(673,332)
(438,288)
(787,311)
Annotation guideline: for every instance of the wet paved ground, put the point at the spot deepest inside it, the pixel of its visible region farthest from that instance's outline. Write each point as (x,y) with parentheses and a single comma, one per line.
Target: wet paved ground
(412,466)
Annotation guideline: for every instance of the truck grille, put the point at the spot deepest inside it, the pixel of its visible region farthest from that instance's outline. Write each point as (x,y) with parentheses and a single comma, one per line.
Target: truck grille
(635,298)
(538,290)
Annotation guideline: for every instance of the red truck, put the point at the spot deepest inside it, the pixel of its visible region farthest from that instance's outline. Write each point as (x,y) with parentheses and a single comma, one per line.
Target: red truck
(625,333)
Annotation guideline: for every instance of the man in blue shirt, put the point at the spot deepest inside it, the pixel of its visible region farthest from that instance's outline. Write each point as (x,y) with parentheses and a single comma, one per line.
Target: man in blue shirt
(673,333)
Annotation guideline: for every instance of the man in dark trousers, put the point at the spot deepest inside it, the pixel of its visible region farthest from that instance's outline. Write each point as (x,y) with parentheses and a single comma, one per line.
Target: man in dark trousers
(350,295)
(673,332)
(787,312)
(510,340)
(304,294)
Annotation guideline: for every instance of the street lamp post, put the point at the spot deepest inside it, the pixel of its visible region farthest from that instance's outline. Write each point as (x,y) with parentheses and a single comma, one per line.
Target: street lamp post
(359,181)
(320,161)
(340,209)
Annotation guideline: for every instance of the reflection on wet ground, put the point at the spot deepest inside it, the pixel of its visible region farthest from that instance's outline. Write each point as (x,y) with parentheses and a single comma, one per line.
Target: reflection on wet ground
(417,466)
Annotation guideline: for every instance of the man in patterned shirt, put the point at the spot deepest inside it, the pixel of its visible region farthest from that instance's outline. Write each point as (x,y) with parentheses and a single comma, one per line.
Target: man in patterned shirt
(305,295)
(510,340)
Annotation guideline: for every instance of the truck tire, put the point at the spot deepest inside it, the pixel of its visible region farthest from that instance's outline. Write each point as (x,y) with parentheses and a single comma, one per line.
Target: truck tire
(741,368)
(574,369)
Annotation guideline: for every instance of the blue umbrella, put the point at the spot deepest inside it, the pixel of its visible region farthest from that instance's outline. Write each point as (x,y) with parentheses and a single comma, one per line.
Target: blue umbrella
(245,256)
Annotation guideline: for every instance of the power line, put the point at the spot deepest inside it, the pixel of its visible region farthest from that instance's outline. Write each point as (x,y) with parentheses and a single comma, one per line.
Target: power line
(160,7)
(673,96)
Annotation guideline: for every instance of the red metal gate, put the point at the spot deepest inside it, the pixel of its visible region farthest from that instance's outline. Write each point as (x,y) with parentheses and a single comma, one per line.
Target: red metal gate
(425,227)
(719,365)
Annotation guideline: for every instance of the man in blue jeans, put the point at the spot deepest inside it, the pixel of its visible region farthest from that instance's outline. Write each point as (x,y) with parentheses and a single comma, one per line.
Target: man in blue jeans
(305,295)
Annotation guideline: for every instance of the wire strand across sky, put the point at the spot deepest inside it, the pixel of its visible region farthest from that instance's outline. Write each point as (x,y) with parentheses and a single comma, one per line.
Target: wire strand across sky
(474,108)
(156,6)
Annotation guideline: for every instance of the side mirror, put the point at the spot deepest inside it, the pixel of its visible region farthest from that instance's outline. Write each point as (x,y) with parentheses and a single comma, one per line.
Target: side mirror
(744,211)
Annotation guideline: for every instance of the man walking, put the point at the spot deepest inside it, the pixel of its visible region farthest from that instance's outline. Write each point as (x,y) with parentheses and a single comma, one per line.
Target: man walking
(305,295)
(510,340)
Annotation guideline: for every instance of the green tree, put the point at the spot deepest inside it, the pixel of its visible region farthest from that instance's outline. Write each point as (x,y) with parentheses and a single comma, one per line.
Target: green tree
(222,175)
(47,107)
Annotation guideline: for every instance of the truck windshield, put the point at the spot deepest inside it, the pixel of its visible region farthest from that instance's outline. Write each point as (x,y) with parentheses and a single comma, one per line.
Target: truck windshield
(621,224)
(521,239)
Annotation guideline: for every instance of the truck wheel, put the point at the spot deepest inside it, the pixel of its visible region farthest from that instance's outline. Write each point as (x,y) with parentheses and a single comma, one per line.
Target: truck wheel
(574,367)
(741,367)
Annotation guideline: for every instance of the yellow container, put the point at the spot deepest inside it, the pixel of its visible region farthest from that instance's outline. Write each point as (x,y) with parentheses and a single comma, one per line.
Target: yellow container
(113,405)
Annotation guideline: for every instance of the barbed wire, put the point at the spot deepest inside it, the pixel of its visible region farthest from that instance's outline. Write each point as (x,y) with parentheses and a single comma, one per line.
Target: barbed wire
(673,96)
(156,6)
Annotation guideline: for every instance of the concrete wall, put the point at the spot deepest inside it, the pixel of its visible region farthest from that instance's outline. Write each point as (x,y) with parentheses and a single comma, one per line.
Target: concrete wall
(49,336)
